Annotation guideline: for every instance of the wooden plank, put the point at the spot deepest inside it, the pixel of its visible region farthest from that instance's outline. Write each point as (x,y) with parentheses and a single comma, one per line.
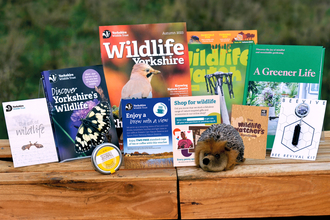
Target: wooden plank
(193,173)
(255,197)
(89,200)
(73,190)
(5,149)
(258,188)
(80,170)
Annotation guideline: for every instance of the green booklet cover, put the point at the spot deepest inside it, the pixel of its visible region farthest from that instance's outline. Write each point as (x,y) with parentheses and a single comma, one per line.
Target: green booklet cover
(282,71)
(218,61)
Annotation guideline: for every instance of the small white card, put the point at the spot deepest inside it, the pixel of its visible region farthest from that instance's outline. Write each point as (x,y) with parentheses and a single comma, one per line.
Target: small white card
(299,129)
(30,132)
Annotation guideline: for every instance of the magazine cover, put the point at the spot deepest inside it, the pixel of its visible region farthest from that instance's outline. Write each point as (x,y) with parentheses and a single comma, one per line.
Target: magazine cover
(30,132)
(163,132)
(80,110)
(282,71)
(144,61)
(218,61)
(299,129)
(252,123)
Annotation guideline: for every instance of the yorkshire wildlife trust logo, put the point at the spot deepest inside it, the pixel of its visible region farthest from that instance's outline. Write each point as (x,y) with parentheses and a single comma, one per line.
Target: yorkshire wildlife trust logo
(9,108)
(128,107)
(263,112)
(53,78)
(106,34)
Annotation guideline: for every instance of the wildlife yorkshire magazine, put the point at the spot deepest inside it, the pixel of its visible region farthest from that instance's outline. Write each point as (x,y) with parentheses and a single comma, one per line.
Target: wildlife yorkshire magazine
(80,111)
(144,61)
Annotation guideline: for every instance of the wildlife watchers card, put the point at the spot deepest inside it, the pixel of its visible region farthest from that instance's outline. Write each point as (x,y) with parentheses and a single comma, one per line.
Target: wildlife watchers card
(144,61)
(30,132)
(162,132)
(252,123)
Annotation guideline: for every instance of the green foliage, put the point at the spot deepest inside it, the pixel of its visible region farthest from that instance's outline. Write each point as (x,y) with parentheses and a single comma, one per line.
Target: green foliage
(40,35)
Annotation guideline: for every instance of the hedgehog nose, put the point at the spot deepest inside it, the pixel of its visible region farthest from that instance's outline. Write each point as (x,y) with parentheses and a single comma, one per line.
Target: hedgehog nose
(206,161)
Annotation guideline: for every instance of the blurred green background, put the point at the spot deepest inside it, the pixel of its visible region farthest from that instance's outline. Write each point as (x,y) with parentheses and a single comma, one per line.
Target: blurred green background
(41,35)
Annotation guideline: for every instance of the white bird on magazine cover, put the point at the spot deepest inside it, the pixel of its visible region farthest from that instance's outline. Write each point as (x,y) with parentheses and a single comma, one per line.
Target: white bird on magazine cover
(138,86)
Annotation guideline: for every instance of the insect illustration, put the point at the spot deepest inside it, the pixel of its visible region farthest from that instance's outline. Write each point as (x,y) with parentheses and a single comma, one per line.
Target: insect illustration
(38,145)
(93,127)
(27,146)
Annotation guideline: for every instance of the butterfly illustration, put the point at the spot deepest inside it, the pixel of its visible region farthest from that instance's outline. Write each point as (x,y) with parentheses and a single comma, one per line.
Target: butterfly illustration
(93,127)
(28,146)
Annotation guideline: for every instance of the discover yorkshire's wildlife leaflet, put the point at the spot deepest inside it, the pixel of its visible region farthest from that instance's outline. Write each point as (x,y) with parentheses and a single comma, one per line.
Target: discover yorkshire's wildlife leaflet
(76,98)
(252,123)
(30,132)
(282,71)
(218,61)
(144,61)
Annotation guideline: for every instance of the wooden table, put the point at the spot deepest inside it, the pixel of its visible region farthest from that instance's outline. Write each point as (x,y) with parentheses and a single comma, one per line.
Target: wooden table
(73,190)
(257,188)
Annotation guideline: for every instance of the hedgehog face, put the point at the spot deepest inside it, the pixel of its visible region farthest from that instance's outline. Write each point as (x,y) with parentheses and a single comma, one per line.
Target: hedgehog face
(213,155)
(211,162)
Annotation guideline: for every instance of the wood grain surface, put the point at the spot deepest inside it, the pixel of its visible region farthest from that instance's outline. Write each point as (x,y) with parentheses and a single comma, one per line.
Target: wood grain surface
(258,188)
(73,190)
(5,149)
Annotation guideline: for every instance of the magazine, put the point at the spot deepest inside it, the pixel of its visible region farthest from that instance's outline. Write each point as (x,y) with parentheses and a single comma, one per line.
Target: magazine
(218,61)
(80,110)
(30,132)
(144,61)
(282,71)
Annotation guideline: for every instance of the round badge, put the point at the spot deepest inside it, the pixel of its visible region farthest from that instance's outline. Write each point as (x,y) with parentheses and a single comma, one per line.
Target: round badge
(160,109)
(106,158)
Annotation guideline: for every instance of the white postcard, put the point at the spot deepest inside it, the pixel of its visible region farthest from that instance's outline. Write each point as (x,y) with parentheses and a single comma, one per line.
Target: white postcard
(30,132)
(299,129)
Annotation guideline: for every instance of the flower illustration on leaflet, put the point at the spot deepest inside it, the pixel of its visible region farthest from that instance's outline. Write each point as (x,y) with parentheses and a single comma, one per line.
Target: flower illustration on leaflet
(78,115)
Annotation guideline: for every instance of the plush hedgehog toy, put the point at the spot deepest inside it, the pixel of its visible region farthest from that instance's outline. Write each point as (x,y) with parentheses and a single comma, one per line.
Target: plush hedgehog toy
(219,148)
